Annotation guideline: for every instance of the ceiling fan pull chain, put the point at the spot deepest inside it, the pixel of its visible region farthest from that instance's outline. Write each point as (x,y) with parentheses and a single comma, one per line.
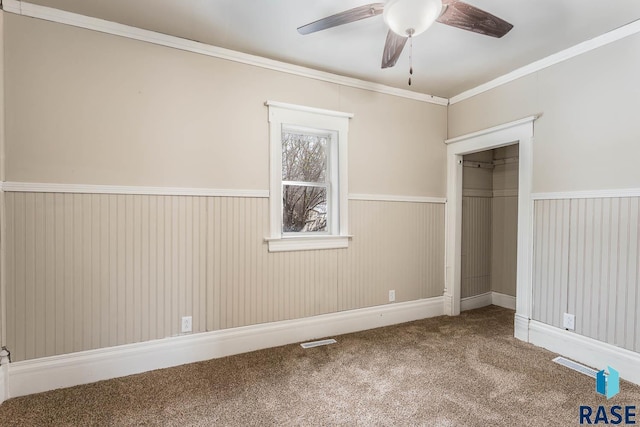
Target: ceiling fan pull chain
(410,57)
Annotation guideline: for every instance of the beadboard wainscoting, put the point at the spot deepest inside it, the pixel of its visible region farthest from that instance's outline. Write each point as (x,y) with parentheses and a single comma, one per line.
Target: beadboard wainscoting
(476,246)
(586,263)
(90,271)
(504,243)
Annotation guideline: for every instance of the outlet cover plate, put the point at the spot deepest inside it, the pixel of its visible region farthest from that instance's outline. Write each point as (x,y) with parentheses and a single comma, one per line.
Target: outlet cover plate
(186,324)
(392,296)
(569,321)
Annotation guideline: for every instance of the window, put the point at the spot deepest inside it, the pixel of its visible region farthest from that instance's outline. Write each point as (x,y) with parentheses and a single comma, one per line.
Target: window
(306,180)
(308,192)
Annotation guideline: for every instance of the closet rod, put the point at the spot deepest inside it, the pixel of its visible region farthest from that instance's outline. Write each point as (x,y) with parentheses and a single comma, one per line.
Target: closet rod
(472,164)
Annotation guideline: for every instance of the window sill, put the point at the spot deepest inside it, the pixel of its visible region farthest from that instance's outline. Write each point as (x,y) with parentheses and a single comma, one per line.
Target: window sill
(309,243)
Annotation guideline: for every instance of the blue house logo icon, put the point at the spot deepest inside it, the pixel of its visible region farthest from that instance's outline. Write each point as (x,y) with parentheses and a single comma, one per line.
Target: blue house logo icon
(608,384)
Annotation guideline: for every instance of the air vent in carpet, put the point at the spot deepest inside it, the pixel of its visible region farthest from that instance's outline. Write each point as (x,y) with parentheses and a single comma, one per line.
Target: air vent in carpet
(317,343)
(576,366)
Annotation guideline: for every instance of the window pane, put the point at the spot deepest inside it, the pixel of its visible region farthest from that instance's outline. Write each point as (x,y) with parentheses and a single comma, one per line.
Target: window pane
(304,157)
(304,209)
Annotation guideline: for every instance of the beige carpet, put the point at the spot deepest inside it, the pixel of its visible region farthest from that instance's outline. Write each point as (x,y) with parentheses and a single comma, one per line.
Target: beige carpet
(465,370)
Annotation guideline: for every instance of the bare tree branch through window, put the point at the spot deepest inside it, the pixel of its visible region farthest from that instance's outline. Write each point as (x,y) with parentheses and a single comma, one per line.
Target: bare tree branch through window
(304,182)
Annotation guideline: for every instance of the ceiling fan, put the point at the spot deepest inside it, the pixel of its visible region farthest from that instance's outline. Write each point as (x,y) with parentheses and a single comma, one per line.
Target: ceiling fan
(408,18)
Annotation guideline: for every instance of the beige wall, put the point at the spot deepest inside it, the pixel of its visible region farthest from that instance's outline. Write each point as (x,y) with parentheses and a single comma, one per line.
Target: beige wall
(587,138)
(478,178)
(395,144)
(2,101)
(92,108)
(93,270)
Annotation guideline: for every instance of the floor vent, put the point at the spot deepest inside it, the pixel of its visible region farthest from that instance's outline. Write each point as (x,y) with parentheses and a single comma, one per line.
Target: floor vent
(576,366)
(317,343)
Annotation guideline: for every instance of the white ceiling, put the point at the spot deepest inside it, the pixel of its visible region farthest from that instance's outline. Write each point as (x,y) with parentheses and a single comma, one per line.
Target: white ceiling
(446,60)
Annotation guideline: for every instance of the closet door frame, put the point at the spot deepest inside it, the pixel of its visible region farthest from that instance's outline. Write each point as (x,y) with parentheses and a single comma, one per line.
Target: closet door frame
(516,132)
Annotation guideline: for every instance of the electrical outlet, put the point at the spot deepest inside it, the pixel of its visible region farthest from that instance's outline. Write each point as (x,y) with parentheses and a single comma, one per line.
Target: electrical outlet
(186,324)
(569,321)
(392,296)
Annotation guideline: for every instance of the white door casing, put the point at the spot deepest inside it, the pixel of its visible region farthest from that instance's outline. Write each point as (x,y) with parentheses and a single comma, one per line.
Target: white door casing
(520,132)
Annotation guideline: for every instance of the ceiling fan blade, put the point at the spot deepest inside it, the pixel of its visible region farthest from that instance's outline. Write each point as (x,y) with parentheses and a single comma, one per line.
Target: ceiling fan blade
(462,15)
(351,15)
(392,49)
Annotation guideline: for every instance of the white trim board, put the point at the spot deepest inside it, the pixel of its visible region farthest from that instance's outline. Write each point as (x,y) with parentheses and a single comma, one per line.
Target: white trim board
(476,301)
(481,136)
(589,194)
(473,192)
(108,27)
(488,298)
(505,193)
(310,243)
(39,187)
(48,373)
(3,384)
(521,132)
(594,353)
(35,187)
(556,58)
(392,198)
(335,125)
(306,109)
(503,300)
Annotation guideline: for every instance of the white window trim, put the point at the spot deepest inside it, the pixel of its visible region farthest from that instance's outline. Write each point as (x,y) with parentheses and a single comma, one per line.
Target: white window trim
(315,118)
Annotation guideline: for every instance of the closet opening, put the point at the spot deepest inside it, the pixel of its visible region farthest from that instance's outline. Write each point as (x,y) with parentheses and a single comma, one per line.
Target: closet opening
(489,245)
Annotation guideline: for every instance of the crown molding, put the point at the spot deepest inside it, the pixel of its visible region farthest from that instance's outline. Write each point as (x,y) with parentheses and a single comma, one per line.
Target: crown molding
(108,27)
(556,58)
(81,21)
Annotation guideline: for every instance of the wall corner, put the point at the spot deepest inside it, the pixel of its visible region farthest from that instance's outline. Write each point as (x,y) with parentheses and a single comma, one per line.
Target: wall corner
(3,311)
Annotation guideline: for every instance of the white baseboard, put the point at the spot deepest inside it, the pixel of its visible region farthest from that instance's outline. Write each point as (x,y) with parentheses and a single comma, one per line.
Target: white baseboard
(483,300)
(448,300)
(521,327)
(503,300)
(48,373)
(594,353)
(475,301)
(3,384)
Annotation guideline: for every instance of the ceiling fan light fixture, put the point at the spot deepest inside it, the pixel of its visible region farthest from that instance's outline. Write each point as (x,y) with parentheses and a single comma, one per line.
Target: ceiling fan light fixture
(411,17)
